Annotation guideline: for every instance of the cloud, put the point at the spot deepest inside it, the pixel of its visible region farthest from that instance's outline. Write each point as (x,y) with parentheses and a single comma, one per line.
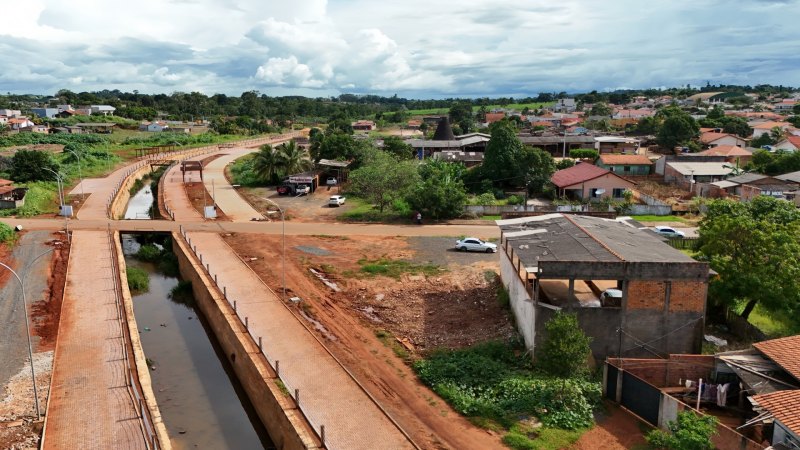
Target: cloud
(414,48)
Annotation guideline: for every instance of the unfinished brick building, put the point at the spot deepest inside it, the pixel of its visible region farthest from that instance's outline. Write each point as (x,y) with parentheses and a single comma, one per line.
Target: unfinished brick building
(655,295)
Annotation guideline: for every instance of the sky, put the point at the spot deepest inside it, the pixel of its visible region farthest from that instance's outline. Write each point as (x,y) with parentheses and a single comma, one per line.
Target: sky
(413,48)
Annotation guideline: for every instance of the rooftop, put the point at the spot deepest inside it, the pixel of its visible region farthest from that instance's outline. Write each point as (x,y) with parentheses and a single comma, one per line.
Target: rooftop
(793,177)
(573,238)
(712,136)
(784,351)
(725,150)
(577,174)
(628,160)
(784,406)
(701,168)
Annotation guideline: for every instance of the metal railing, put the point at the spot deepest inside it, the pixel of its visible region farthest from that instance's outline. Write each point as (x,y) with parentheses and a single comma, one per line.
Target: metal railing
(131,381)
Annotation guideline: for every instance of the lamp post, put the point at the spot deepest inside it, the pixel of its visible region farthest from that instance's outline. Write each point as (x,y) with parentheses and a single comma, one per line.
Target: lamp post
(283,243)
(60,188)
(21,281)
(80,175)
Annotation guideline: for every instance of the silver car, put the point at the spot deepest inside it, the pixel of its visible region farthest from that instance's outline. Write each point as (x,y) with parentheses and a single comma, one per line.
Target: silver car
(475,245)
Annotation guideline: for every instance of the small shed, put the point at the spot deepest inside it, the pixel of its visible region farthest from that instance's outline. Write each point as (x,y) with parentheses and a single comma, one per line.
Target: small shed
(10,196)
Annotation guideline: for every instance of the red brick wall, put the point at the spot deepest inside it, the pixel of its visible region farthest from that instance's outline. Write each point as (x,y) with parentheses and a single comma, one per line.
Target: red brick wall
(688,296)
(664,373)
(646,294)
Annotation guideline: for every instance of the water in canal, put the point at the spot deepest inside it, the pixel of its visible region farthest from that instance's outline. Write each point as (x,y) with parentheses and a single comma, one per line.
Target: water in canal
(201,402)
(139,205)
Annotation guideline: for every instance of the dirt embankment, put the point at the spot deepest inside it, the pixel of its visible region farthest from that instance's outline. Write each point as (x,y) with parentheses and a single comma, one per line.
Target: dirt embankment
(377,326)
(46,313)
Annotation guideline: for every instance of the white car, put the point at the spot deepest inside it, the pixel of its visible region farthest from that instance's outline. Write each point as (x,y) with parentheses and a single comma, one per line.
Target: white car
(331,181)
(611,297)
(336,200)
(475,245)
(302,189)
(670,232)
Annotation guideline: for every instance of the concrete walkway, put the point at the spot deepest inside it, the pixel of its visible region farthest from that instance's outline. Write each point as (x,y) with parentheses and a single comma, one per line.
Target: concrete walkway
(328,395)
(90,406)
(96,206)
(226,197)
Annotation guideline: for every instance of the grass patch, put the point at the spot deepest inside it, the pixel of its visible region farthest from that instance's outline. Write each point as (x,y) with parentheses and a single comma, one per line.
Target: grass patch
(491,217)
(138,280)
(774,325)
(652,218)
(40,199)
(394,268)
(388,339)
(495,383)
(282,387)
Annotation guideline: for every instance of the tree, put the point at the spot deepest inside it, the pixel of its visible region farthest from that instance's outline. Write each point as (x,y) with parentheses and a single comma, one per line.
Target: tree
(754,247)
(566,347)
(461,115)
(398,147)
(678,127)
(339,146)
(267,164)
(716,113)
(648,125)
(736,125)
(688,432)
(536,168)
(383,179)
(32,165)
(440,194)
(796,109)
(565,163)
(293,159)
(501,155)
(3,129)
(601,109)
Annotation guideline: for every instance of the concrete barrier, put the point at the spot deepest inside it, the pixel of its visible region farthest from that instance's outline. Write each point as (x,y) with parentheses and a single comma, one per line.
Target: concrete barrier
(283,420)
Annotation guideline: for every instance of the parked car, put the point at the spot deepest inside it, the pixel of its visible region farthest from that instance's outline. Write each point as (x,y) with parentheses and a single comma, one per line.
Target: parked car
(285,190)
(475,245)
(336,200)
(331,181)
(302,189)
(669,232)
(611,297)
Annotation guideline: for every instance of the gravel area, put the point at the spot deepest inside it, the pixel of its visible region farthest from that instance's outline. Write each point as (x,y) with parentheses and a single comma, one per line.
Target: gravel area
(441,251)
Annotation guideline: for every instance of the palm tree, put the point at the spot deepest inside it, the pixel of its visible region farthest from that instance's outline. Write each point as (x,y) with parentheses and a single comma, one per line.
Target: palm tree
(294,159)
(267,164)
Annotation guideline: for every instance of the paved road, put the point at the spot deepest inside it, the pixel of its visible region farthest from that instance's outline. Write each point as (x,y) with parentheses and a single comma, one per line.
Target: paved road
(13,341)
(226,197)
(292,228)
(90,406)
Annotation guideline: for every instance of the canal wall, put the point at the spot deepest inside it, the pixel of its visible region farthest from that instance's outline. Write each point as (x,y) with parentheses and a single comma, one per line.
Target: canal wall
(119,203)
(142,371)
(284,422)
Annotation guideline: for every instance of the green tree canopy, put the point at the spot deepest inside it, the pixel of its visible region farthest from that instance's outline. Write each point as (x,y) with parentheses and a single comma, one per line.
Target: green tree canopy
(383,179)
(755,248)
(398,147)
(601,109)
(32,165)
(565,350)
(688,432)
(267,164)
(677,129)
(502,154)
(440,194)
(536,167)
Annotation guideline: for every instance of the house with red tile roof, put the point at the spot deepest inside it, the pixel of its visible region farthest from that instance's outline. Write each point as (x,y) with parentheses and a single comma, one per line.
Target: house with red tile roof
(625,164)
(714,139)
(585,181)
(766,127)
(791,143)
(732,154)
(495,117)
(783,407)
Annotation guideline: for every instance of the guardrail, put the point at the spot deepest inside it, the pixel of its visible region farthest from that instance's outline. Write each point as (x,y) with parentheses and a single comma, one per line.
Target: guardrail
(131,381)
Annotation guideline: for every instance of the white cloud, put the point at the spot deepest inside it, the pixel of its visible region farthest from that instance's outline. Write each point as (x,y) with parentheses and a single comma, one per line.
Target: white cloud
(414,48)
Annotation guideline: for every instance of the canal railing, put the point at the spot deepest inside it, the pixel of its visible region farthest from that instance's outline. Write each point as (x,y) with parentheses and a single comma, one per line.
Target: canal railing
(131,379)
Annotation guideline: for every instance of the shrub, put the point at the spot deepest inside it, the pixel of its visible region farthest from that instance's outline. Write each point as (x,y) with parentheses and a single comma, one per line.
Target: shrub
(565,348)
(583,153)
(149,253)
(487,198)
(515,200)
(688,432)
(7,234)
(182,293)
(138,280)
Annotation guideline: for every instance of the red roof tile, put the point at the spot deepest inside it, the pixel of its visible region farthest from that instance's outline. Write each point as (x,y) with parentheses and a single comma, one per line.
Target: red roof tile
(784,406)
(625,160)
(578,173)
(5,182)
(725,150)
(784,351)
(711,137)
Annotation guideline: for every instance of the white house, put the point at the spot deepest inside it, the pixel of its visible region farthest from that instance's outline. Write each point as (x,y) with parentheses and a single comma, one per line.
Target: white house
(713,139)
(766,127)
(153,127)
(103,109)
(784,106)
(10,113)
(790,144)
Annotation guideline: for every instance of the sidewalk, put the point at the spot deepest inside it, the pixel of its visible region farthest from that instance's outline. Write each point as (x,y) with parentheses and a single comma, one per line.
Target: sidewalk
(225,196)
(90,406)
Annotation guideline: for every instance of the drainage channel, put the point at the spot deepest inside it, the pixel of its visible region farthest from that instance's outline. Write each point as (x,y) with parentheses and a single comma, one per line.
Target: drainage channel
(200,399)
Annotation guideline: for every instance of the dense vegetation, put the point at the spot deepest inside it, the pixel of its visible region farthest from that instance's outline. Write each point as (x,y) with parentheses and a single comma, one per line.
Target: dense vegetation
(138,280)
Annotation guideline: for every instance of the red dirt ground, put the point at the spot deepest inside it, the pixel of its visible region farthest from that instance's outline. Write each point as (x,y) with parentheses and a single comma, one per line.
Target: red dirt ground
(619,430)
(46,314)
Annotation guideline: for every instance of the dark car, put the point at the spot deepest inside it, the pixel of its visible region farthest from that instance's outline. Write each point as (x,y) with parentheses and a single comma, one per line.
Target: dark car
(285,190)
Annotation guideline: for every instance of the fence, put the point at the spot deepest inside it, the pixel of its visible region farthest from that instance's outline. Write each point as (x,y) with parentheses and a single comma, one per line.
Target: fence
(132,382)
(685,243)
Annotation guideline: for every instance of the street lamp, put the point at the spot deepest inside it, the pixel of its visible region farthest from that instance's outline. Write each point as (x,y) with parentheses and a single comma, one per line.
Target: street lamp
(283,242)
(27,325)
(60,187)
(80,175)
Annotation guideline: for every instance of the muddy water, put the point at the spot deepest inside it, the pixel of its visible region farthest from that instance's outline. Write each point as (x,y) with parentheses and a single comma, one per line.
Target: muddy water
(200,400)
(139,205)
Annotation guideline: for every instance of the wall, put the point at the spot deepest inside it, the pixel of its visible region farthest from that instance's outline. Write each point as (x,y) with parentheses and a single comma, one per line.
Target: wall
(521,303)
(495,210)
(120,202)
(283,420)
(609,182)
